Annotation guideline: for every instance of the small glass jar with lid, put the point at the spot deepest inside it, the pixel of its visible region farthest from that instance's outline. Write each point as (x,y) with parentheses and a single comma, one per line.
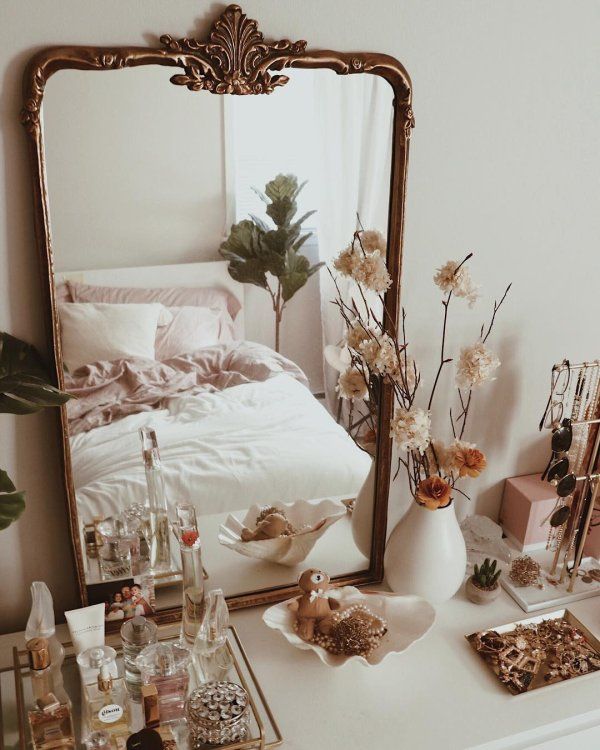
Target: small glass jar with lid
(136,634)
(218,713)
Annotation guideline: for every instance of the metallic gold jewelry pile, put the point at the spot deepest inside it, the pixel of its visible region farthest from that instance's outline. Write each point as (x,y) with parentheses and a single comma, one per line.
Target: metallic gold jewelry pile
(549,651)
(354,631)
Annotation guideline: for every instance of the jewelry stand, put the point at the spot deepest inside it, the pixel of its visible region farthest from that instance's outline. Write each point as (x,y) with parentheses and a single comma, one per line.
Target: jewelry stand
(579,400)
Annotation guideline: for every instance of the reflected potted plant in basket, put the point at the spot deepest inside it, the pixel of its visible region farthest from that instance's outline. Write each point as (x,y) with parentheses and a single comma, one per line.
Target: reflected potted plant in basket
(426,552)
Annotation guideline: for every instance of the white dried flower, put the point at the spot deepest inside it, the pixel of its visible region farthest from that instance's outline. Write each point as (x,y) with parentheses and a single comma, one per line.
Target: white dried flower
(371,240)
(449,279)
(437,455)
(410,429)
(348,260)
(357,334)
(372,273)
(476,365)
(379,354)
(352,384)
(405,373)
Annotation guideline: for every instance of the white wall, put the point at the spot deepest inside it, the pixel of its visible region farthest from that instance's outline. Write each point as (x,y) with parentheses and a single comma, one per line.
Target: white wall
(504,161)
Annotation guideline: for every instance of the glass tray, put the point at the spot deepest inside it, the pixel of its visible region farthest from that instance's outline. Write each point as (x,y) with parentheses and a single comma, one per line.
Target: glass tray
(264,732)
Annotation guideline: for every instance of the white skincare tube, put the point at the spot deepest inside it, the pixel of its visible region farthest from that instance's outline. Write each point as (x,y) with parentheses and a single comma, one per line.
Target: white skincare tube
(86,626)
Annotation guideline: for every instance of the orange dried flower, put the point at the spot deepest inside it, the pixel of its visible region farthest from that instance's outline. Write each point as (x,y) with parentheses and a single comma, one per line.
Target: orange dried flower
(469,462)
(434,492)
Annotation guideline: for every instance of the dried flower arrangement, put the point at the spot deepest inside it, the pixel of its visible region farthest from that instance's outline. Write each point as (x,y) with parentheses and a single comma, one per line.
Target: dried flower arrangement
(376,352)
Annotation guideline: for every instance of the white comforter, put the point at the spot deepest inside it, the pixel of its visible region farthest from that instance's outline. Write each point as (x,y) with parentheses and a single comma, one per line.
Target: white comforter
(263,442)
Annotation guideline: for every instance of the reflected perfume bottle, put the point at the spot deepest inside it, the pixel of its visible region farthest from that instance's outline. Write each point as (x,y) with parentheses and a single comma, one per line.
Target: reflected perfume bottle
(136,634)
(211,656)
(51,724)
(186,530)
(108,709)
(165,665)
(160,547)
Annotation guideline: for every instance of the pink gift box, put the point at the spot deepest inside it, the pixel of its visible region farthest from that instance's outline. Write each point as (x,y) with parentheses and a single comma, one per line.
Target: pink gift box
(526,502)
(592,544)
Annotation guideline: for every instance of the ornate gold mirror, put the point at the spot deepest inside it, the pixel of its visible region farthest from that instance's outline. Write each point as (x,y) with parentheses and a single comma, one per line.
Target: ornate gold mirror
(191,317)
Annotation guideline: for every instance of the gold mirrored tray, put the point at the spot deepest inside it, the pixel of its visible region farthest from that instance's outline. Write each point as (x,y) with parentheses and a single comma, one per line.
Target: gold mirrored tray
(264,731)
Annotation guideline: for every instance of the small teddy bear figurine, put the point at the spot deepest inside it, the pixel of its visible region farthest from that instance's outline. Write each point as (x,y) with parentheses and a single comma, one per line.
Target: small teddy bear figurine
(271,527)
(313,608)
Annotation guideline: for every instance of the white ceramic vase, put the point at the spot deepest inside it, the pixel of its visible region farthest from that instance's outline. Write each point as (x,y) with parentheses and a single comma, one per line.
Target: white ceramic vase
(426,554)
(362,515)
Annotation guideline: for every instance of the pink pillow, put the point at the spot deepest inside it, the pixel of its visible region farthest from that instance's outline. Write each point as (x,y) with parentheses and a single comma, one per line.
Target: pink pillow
(169,297)
(192,328)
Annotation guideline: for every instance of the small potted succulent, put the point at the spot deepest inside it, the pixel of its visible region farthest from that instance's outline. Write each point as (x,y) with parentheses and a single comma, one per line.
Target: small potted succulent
(483,586)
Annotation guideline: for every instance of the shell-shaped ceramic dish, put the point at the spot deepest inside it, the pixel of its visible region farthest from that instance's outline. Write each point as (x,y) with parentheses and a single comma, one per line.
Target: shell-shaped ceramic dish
(286,550)
(409,618)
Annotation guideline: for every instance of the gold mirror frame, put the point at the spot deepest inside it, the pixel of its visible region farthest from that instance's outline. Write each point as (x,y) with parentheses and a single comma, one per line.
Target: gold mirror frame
(234,60)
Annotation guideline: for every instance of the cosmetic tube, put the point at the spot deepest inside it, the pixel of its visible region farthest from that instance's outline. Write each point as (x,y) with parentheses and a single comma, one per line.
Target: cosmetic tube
(86,626)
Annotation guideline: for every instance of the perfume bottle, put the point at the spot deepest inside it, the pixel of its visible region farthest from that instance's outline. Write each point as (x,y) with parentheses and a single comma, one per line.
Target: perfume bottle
(165,665)
(39,667)
(120,541)
(186,530)
(41,625)
(136,634)
(211,656)
(98,740)
(160,547)
(51,724)
(108,708)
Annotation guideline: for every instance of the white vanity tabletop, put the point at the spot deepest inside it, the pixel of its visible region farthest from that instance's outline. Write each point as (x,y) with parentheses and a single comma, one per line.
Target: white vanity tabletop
(439,694)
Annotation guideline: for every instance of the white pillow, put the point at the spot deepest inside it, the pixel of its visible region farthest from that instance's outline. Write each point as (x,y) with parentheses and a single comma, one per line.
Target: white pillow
(92,332)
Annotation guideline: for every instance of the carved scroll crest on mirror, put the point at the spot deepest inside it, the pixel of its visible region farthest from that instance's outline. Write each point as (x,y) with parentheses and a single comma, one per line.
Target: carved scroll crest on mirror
(234,59)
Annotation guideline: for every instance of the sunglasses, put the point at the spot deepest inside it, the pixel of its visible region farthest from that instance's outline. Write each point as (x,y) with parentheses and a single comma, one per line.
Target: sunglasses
(561,378)
(562,437)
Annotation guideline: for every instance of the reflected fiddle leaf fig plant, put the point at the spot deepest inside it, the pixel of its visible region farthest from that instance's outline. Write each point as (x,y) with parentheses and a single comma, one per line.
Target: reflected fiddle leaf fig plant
(24,389)
(269,256)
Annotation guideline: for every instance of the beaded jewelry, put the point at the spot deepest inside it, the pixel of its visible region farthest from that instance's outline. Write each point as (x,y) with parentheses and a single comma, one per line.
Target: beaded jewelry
(354,631)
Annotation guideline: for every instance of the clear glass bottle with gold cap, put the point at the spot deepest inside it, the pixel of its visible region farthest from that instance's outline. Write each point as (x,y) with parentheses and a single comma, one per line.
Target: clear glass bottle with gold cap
(108,708)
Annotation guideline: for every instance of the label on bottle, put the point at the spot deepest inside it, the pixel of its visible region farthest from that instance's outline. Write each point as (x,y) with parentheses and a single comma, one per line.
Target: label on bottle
(111,713)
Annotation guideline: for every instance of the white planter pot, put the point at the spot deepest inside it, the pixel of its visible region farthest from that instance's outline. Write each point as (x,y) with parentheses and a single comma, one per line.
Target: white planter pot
(426,554)
(362,515)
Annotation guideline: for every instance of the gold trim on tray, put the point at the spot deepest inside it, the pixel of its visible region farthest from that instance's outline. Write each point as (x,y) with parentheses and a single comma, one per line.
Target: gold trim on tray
(522,666)
(256,696)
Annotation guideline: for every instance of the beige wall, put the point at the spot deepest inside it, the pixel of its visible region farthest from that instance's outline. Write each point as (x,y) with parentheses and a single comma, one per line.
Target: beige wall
(504,161)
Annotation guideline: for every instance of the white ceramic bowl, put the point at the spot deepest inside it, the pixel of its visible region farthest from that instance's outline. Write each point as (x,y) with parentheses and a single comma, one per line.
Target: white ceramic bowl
(409,618)
(287,550)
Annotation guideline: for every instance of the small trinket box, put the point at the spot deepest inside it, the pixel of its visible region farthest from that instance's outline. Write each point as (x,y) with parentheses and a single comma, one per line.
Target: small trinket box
(218,713)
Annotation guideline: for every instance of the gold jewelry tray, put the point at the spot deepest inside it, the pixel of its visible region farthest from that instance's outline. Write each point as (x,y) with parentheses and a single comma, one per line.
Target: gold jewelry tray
(539,682)
(265,733)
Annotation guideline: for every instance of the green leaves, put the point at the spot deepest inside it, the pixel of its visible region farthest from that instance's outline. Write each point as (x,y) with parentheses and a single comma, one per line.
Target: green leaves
(23,379)
(12,503)
(23,390)
(486,576)
(254,250)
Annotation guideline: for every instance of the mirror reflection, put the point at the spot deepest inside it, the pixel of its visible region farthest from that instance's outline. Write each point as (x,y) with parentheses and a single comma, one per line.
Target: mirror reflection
(191,235)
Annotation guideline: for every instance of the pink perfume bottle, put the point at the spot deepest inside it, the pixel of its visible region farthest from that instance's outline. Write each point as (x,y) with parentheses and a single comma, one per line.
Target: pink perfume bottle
(165,665)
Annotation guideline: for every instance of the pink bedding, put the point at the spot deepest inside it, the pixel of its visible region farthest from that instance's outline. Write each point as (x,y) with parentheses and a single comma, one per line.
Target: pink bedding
(107,391)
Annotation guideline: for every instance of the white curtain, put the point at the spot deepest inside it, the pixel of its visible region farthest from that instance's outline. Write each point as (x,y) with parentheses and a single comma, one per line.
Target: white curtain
(355,146)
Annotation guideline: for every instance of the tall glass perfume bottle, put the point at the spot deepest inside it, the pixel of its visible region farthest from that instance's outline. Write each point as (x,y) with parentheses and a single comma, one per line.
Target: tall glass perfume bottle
(39,667)
(136,634)
(192,571)
(51,724)
(41,625)
(160,547)
(165,665)
(108,709)
(210,654)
